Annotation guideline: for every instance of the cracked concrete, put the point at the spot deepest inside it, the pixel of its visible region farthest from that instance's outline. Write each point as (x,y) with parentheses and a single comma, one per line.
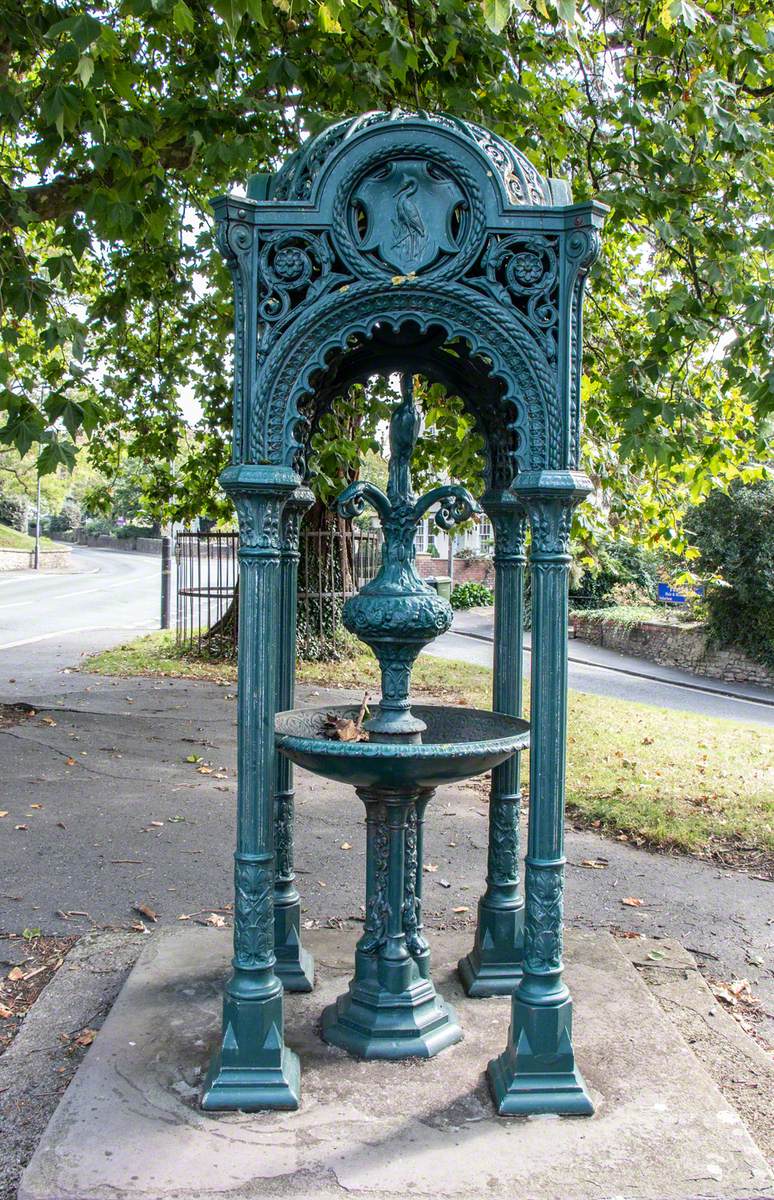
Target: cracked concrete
(129,1129)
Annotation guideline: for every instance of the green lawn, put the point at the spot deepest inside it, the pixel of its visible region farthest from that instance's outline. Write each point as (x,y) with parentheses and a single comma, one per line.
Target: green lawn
(691,783)
(13,539)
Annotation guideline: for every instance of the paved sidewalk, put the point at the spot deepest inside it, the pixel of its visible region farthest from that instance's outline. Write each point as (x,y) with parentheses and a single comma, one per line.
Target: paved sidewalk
(126,819)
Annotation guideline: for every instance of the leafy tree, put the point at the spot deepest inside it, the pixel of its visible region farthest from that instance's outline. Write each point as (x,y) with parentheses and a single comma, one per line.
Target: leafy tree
(119,119)
(734,532)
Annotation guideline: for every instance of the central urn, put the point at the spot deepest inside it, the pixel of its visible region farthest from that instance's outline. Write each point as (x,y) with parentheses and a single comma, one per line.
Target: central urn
(397,613)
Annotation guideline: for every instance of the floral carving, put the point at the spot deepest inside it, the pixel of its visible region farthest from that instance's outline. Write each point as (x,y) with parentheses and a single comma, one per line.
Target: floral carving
(503,856)
(284,819)
(253,912)
(543,918)
(259,521)
(377,905)
(524,272)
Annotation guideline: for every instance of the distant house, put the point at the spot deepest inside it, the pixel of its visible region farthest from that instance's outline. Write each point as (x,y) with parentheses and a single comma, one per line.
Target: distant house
(473,549)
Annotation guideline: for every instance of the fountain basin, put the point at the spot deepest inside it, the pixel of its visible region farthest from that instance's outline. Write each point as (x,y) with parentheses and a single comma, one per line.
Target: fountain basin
(458,743)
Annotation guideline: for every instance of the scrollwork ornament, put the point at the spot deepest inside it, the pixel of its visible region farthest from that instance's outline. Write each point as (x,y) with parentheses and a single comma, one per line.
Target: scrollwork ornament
(524,271)
(503,860)
(283,835)
(378,908)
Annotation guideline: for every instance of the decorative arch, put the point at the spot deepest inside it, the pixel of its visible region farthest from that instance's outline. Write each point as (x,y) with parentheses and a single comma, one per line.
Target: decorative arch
(287,377)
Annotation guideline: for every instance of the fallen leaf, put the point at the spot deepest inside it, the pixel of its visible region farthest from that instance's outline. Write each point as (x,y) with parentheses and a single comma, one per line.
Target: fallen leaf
(70,762)
(217,920)
(184,917)
(194,758)
(5,1012)
(157,824)
(85,1037)
(345,846)
(36,806)
(15,974)
(431,868)
(461,908)
(596,864)
(4,813)
(633,902)
(657,954)
(48,721)
(648,741)
(205,770)
(145,911)
(138,927)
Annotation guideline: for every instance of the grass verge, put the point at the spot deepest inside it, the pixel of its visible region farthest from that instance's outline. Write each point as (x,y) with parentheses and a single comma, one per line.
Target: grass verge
(670,779)
(14,539)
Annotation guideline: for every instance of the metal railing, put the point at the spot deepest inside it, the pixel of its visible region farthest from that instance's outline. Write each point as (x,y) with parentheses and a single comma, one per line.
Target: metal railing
(333,565)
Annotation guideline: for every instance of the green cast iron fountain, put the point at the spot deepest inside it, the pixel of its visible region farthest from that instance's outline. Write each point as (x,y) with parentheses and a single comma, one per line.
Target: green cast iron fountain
(391,1009)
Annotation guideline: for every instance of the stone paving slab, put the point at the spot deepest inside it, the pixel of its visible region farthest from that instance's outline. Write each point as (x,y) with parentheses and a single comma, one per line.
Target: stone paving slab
(129,1128)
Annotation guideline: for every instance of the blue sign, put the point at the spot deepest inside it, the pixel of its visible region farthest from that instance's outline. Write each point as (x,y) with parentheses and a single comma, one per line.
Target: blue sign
(671,595)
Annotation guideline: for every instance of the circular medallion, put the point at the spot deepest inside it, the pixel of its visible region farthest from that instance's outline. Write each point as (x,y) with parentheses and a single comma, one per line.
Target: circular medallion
(407,216)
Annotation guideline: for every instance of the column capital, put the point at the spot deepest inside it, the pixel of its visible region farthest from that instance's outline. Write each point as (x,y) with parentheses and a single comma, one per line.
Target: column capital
(569,486)
(509,521)
(258,493)
(550,498)
(298,502)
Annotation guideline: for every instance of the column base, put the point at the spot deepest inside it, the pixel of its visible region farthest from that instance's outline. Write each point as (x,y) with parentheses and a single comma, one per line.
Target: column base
(252,1069)
(493,967)
(369,1021)
(295,965)
(537,1072)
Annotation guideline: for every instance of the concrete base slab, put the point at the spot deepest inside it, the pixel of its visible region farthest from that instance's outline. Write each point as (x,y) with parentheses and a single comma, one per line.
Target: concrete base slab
(129,1127)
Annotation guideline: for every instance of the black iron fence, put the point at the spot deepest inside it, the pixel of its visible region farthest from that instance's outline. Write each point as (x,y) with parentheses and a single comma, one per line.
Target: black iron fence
(333,565)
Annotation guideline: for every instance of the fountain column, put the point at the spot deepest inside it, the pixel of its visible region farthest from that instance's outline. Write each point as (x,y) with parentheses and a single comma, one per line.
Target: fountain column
(537,1071)
(253,1069)
(493,967)
(295,965)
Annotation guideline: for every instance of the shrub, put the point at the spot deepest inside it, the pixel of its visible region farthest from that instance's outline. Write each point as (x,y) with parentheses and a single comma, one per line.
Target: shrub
(471,595)
(619,564)
(734,533)
(14,511)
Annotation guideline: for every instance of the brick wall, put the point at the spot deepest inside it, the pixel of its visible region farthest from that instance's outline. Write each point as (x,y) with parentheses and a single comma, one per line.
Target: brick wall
(673,646)
(466,570)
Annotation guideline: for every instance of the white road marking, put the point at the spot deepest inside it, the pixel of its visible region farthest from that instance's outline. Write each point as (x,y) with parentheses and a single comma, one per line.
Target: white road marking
(84,591)
(45,637)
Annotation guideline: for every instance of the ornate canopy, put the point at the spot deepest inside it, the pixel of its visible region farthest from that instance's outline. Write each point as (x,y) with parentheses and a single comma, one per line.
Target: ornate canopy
(417,242)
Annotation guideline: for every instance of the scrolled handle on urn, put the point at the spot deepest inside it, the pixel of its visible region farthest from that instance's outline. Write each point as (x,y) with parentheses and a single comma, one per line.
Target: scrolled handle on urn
(397,613)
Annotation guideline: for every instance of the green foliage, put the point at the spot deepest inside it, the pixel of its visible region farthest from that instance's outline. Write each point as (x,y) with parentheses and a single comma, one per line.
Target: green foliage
(616,564)
(14,511)
(471,595)
(118,123)
(734,532)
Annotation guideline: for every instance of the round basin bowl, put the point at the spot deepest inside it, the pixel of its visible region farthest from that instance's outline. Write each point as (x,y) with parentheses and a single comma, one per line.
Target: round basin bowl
(457,744)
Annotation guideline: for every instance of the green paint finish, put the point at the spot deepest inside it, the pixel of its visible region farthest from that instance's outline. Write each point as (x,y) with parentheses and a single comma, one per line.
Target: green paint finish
(396,614)
(537,1072)
(408,243)
(295,965)
(493,967)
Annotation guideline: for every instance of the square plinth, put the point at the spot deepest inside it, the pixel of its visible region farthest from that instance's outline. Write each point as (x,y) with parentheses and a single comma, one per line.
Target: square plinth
(129,1127)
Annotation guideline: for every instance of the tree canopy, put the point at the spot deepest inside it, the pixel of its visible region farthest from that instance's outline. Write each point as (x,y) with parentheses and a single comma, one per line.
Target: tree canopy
(120,119)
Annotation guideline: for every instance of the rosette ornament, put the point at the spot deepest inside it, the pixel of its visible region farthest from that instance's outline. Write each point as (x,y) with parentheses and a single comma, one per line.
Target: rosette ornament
(397,613)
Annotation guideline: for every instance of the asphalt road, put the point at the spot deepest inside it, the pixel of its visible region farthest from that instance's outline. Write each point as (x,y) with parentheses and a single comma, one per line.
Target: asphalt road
(48,620)
(606,673)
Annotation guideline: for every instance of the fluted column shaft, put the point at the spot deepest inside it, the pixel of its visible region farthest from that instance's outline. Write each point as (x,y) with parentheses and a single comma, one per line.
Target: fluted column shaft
(295,966)
(537,1072)
(253,1069)
(494,965)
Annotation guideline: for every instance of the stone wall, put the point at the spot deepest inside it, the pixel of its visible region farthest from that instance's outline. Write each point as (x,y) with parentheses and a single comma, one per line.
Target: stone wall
(106,541)
(22,560)
(466,570)
(673,646)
